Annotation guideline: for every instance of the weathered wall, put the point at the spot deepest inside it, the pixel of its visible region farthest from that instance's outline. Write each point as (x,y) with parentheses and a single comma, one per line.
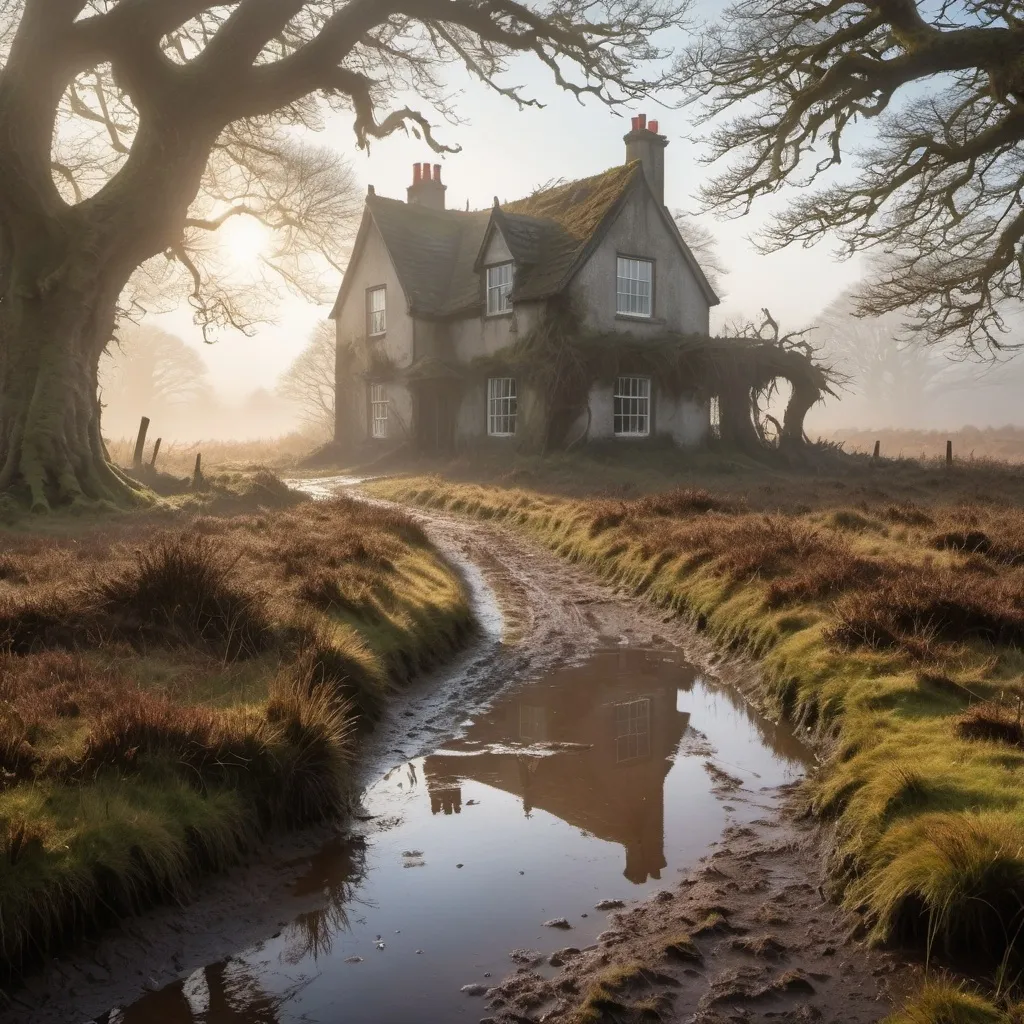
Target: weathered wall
(486,335)
(639,230)
(471,420)
(682,418)
(372,269)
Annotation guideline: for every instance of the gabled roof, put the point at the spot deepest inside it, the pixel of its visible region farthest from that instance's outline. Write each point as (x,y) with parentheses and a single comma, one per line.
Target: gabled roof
(437,253)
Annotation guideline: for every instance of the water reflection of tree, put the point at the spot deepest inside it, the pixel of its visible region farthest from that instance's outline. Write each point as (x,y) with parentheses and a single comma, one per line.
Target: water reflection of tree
(337,872)
(228,992)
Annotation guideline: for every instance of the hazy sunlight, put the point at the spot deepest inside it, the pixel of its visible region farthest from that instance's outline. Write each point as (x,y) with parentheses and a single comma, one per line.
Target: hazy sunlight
(243,240)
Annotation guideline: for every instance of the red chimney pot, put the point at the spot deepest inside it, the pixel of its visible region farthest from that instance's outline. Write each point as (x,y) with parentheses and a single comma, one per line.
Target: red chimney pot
(653,126)
(437,172)
(636,124)
(642,118)
(415,174)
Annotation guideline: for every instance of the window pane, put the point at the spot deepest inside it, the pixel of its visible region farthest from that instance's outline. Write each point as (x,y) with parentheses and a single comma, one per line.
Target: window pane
(502,406)
(499,288)
(378,411)
(376,315)
(632,407)
(633,287)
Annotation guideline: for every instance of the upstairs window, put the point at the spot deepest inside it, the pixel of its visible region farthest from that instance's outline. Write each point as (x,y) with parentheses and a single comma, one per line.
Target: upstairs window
(716,418)
(378,411)
(634,287)
(376,311)
(632,406)
(499,289)
(502,406)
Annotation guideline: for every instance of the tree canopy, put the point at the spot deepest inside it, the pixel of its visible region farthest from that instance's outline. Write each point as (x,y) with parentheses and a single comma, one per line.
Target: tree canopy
(937,185)
(310,381)
(134,129)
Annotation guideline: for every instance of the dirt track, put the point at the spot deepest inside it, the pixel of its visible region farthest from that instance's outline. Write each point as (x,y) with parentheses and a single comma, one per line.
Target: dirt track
(536,612)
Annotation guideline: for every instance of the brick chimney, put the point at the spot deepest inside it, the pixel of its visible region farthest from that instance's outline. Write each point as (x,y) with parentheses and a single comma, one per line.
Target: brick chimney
(643,143)
(426,188)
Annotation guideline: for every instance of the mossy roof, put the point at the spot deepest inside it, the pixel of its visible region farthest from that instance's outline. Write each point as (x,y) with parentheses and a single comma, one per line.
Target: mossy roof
(436,253)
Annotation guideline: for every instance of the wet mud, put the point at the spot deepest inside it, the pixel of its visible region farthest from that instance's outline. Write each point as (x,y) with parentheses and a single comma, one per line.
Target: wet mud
(581,791)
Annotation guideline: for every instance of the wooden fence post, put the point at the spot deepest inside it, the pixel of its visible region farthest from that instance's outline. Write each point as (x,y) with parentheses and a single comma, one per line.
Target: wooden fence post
(197,476)
(949,452)
(877,451)
(156,452)
(140,443)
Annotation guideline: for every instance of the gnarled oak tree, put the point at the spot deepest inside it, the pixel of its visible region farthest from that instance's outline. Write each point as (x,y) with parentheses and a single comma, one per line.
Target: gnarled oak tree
(129,128)
(937,190)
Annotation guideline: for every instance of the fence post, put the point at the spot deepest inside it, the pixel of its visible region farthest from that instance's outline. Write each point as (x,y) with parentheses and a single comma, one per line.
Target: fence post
(156,452)
(197,476)
(140,443)
(949,452)
(877,451)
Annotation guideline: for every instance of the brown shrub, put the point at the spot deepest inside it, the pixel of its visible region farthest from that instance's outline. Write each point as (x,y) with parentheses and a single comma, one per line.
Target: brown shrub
(183,589)
(907,514)
(911,604)
(991,720)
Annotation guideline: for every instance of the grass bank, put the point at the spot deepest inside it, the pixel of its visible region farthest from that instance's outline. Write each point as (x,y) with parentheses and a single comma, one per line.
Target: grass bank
(889,629)
(168,694)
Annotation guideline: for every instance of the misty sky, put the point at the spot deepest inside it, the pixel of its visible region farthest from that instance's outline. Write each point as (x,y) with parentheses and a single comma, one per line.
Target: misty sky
(508,152)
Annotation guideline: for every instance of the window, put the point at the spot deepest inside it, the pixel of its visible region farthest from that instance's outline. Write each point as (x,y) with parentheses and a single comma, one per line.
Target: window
(716,418)
(634,287)
(632,406)
(376,311)
(502,406)
(499,289)
(632,729)
(378,411)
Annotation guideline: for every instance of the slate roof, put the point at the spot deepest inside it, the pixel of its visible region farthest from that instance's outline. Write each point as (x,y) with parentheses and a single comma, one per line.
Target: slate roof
(437,253)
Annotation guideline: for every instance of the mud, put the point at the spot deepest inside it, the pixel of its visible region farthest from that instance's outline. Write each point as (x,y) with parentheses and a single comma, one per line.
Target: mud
(768,945)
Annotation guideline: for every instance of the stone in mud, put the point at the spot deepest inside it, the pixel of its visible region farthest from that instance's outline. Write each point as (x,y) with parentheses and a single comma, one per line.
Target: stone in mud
(353,959)
(609,905)
(526,956)
(561,956)
(558,922)
(474,989)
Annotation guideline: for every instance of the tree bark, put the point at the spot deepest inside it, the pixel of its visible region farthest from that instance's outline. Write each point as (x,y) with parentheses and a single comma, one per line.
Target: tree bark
(51,340)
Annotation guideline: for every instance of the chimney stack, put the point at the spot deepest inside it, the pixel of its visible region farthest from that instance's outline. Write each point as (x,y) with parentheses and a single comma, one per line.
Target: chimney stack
(426,188)
(643,143)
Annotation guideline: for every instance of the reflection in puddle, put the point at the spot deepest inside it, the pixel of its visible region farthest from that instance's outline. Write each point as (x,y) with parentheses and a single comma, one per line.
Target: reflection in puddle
(586,785)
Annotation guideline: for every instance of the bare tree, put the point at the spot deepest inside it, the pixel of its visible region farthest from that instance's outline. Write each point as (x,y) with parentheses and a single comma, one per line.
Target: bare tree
(310,381)
(704,246)
(133,128)
(150,372)
(938,189)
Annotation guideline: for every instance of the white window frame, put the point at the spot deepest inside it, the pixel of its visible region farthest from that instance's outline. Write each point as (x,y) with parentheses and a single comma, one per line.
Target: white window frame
(634,287)
(500,279)
(631,407)
(715,417)
(502,406)
(378,412)
(377,316)
(633,729)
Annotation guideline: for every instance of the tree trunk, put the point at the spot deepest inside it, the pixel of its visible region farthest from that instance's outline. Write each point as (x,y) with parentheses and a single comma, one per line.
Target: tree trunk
(51,450)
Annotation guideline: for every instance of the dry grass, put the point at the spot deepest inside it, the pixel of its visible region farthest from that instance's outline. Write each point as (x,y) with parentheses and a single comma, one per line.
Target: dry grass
(885,626)
(1005,444)
(167,694)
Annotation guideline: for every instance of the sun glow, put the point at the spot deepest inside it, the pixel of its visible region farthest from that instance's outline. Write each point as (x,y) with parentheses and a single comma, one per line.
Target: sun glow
(243,240)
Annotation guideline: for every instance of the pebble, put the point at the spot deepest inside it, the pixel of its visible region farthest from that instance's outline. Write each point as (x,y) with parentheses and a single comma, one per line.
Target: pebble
(557,922)
(458,865)
(353,959)
(474,989)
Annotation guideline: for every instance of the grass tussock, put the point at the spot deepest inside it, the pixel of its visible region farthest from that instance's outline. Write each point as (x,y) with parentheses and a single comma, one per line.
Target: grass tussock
(885,625)
(168,695)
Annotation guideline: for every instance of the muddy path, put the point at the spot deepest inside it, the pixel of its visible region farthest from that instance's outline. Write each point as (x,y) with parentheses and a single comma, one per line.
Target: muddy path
(538,615)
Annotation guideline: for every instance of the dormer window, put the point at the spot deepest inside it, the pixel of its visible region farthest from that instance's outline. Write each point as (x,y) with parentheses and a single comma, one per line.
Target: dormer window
(634,287)
(499,289)
(376,311)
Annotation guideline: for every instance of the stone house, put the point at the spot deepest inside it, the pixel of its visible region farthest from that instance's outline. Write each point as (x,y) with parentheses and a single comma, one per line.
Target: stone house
(434,300)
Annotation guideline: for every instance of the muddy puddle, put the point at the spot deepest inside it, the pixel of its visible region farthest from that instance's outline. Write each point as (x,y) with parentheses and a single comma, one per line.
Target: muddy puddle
(599,782)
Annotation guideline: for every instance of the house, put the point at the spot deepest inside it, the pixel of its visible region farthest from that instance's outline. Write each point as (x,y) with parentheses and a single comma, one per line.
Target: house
(433,298)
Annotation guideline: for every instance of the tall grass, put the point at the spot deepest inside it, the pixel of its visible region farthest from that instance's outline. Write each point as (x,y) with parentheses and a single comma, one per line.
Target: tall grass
(168,695)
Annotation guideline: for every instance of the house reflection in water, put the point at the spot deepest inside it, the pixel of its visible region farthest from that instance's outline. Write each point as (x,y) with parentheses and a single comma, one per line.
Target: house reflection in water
(618,721)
